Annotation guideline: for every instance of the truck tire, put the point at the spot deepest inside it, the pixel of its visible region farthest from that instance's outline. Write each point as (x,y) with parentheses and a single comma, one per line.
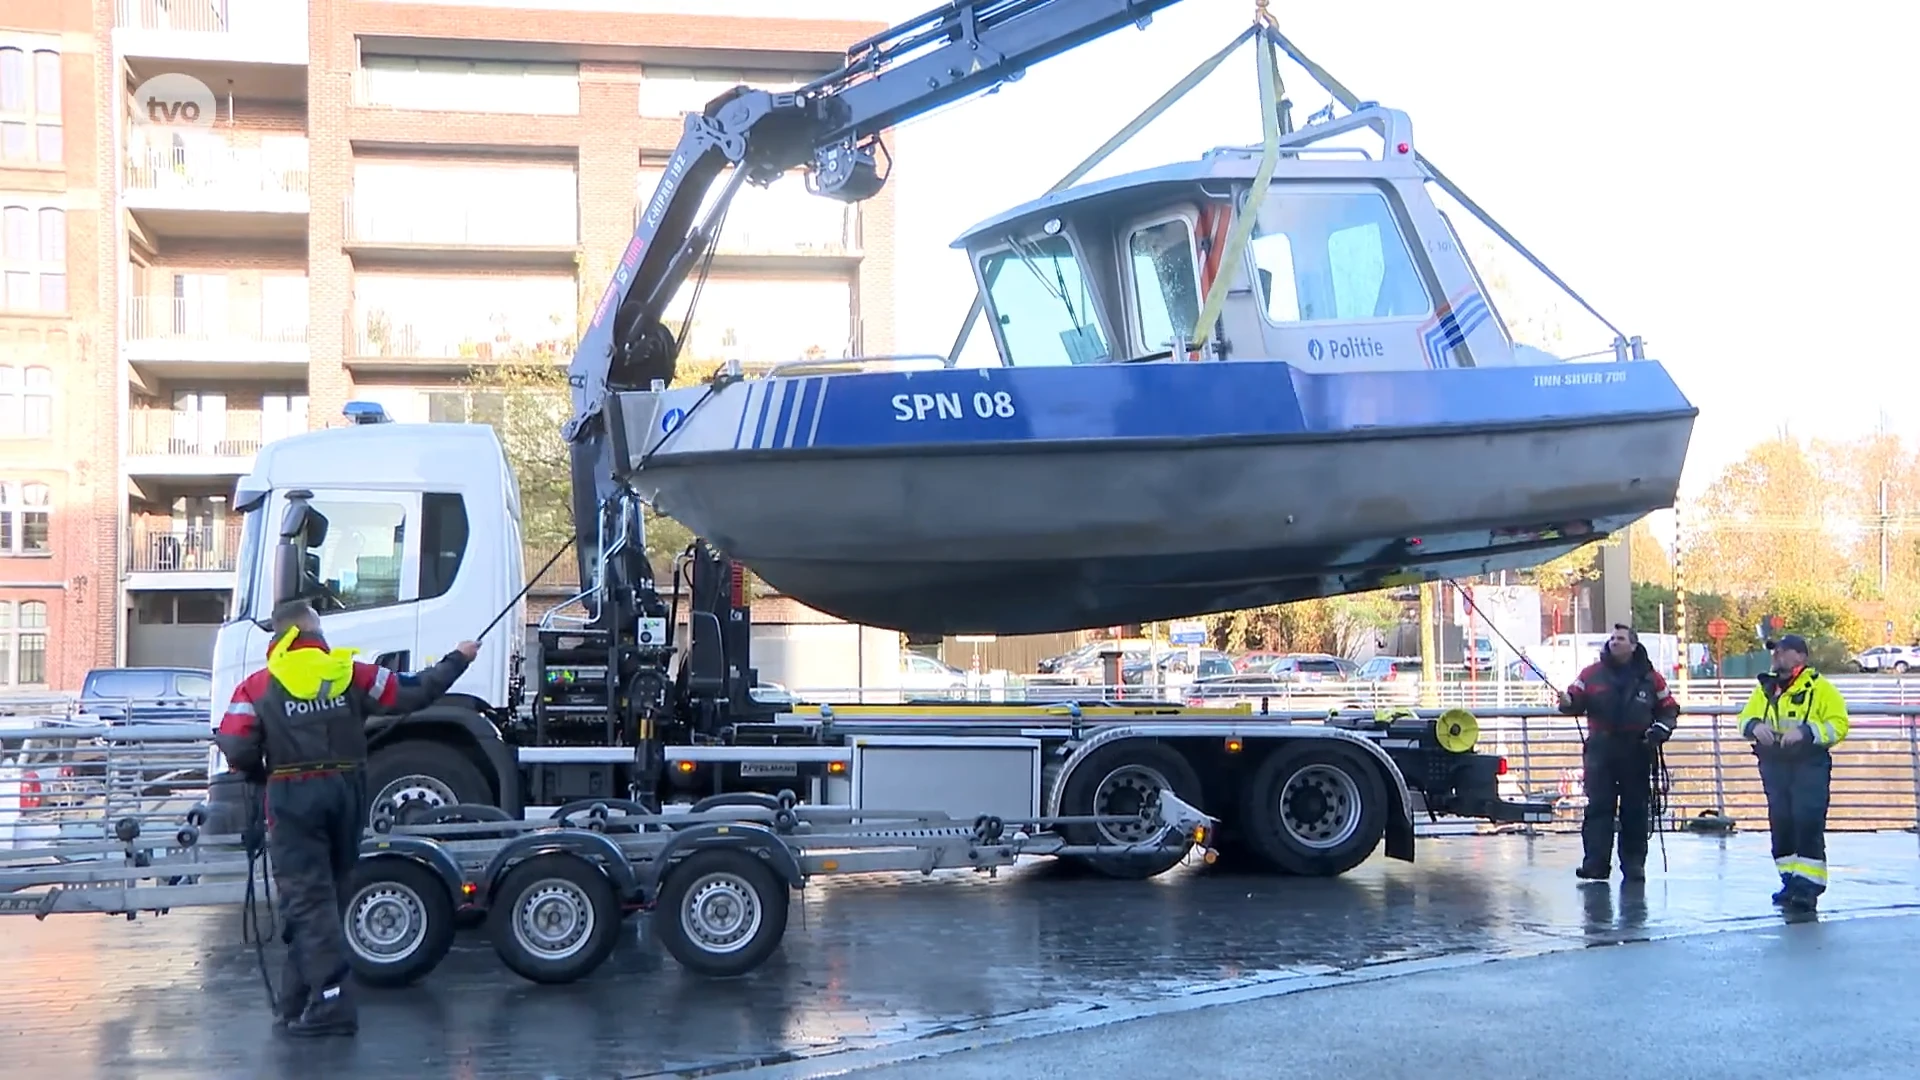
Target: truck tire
(721,912)
(417,777)
(398,921)
(554,918)
(1117,779)
(1314,808)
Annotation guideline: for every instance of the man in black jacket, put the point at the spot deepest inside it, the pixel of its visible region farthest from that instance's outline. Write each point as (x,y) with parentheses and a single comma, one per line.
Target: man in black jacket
(1629,712)
(299,727)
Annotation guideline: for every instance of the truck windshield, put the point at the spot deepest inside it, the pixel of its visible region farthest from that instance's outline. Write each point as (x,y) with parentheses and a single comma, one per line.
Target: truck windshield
(247,564)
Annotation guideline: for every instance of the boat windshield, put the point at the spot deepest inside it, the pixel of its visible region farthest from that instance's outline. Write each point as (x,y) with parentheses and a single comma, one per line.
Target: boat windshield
(1043,304)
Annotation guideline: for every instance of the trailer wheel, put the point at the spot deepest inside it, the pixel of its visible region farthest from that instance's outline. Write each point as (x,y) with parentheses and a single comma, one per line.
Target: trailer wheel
(554,918)
(398,921)
(721,912)
(1121,779)
(417,777)
(1314,808)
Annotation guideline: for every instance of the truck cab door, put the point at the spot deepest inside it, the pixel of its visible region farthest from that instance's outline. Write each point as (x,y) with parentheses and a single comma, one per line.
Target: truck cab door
(363,578)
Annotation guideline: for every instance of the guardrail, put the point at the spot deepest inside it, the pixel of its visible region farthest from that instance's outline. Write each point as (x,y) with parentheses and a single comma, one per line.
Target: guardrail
(77,782)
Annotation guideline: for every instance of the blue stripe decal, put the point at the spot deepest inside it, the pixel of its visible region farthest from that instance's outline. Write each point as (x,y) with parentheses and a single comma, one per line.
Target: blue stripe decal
(1452,330)
(767,389)
(741,428)
(807,412)
(788,402)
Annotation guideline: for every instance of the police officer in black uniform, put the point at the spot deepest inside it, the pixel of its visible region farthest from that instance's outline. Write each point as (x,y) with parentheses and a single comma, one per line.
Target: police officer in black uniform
(1629,712)
(299,726)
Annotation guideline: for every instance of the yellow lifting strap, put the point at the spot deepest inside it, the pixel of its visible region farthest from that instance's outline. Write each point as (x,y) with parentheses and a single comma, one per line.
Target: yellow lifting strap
(1270,93)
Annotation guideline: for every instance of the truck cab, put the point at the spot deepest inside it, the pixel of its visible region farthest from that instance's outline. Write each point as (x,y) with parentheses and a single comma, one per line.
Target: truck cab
(409,543)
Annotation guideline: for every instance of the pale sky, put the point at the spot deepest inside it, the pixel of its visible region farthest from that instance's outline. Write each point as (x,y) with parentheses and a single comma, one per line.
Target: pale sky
(1669,160)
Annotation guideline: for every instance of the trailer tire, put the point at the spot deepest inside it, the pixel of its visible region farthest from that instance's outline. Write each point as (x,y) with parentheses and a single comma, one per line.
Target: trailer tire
(398,921)
(554,918)
(721,912)
(1107,782)
(1314,808)
(426,774)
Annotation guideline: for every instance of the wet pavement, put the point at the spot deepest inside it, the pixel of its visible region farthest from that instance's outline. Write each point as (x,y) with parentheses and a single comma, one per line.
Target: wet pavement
(875,965)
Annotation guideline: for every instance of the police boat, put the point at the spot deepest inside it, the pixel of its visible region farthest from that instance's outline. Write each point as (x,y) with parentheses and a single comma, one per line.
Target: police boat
(1355,415)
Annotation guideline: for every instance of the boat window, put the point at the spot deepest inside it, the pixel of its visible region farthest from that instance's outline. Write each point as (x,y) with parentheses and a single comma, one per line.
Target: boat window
(1325,257)
(1043,304)
(1166,285)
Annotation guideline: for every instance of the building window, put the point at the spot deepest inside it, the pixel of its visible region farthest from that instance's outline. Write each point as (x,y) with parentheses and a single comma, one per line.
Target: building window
(476,86)
(30,130)
(419,203)
(33,257)
(26,519)
(23,643)
(668,92)
(26,402)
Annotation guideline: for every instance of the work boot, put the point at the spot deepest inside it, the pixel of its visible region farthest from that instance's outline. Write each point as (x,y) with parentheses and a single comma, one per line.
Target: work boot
(1785,890)
(1634,872)
(294,992)
(1590,872)
(1802,900)
(330,1012)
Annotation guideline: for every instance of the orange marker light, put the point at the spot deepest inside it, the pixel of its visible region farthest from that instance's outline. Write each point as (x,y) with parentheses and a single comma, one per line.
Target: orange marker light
(835,768)
(684,766)
(1234,746)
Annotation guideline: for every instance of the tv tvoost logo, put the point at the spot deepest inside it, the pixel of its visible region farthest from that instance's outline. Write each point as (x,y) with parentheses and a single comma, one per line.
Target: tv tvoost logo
(174,99)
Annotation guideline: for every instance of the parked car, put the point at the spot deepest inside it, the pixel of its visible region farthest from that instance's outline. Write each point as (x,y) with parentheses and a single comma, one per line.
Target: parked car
(923,676)
(146,695)
(1898,659)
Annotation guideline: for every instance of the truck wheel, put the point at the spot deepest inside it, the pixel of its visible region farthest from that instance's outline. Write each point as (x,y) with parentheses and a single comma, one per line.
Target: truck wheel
(554,918)
(721,912)
(1120,779)
(415,778)
(398,921)
(1315,808)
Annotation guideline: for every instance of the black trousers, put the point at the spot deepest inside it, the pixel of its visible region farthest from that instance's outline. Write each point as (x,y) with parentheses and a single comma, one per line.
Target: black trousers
(1619,793)
(316,821)
(1798,781)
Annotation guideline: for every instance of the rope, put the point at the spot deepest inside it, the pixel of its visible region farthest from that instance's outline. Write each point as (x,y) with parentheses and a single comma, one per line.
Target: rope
(250,932)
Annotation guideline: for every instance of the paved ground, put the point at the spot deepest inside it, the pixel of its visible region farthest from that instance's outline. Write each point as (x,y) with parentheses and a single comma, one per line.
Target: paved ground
(885,964)
(1709,1007)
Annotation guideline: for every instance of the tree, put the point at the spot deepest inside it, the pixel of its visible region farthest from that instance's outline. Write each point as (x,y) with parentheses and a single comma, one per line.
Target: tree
(1338,625)
(1647,558)
(1767,523)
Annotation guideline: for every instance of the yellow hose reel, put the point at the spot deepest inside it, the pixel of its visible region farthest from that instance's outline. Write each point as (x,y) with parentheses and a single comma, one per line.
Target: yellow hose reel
(1456,730)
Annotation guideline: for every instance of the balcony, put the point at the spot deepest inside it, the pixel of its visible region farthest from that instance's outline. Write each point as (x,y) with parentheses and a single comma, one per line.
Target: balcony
(163,554)
(249,41)
(377,341)
(784,227)
(169,443)
(451,234)
(171,338)
(208,188)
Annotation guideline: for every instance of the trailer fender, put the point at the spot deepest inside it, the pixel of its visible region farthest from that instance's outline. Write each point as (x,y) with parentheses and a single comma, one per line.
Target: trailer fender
(418,849)
(593,847)
(751,837)
(1399,838)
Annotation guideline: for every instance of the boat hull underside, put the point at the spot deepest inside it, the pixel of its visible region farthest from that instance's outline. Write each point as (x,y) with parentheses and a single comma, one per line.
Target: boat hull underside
(1037,539)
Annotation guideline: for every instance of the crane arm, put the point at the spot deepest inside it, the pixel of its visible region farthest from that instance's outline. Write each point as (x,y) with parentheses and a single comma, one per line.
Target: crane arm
(830,127)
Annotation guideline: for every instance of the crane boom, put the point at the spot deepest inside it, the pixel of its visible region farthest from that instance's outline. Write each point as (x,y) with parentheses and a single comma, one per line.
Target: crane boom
(830,127)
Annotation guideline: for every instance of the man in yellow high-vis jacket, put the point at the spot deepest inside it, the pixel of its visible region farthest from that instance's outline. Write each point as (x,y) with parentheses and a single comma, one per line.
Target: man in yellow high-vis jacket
(1795,719)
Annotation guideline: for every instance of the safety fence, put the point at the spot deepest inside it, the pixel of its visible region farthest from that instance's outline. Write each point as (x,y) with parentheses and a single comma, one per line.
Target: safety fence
(67,779)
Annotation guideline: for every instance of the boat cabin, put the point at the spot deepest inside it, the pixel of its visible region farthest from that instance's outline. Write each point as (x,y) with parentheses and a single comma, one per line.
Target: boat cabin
(1350,264)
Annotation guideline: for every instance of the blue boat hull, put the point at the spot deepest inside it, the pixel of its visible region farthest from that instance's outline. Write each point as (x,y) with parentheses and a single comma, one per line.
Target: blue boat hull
(1125,494)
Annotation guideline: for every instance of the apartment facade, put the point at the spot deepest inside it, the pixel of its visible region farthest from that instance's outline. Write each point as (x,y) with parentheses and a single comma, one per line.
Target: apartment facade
(226,218)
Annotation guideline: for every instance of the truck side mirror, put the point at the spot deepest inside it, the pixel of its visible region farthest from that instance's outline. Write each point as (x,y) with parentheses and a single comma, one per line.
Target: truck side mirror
(301,529)
(286,572)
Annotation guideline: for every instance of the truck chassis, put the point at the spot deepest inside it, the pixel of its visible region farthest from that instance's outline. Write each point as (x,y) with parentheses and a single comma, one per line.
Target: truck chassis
(553,894)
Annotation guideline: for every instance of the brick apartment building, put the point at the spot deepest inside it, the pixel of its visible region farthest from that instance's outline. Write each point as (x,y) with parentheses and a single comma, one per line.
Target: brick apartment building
(386,196)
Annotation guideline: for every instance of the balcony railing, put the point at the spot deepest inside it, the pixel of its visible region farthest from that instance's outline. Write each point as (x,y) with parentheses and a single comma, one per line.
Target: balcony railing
(216,169)
(201,16)
(169,319)
(439,224)
(163,547)
(377,334)
(235,433)
(788,227)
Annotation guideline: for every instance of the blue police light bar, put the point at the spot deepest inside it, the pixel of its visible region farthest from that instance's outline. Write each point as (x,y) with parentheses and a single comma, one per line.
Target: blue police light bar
(365,412)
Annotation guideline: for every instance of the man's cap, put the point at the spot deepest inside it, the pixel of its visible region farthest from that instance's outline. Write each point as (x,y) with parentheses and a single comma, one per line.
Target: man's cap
(1789,641)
